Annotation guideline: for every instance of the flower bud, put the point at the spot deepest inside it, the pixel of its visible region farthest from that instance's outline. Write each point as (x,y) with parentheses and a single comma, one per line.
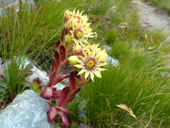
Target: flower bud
(77,49)
(103,57)
(73,60)
(67,14)
(68,38)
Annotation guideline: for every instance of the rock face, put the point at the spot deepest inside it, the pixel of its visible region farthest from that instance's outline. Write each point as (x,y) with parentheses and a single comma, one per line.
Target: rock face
(28,110)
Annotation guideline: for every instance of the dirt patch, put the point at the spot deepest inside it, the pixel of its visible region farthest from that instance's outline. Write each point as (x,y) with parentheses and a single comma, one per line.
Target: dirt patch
(154,19)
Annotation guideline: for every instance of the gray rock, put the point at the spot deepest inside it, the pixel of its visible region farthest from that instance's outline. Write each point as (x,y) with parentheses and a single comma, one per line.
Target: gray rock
(28,110)
(168,39)
(153,19)
(36,72)
(4,4)
(1,67)
(7,2)
(114,62)
(82,125)
(42,75)
(58,86)
(11,2)
(106,47)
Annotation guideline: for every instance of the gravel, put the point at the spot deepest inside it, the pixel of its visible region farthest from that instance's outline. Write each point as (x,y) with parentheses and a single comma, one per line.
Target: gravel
(154,19)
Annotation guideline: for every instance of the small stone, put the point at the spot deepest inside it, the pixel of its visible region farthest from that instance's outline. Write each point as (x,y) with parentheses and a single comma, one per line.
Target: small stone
(1,68)
(106,47)
(58,86)
(168,39)
(36,72)
(114,62)
(28,110)
(82,125)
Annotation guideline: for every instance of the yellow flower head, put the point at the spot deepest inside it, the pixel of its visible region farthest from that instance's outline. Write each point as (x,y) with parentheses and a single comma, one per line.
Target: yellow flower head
(73,18)
(80,34)
(68,15)
(77,24)
(91,61)
(76,15)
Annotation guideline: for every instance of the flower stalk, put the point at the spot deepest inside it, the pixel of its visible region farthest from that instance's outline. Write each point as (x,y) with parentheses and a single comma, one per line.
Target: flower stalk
(87,62)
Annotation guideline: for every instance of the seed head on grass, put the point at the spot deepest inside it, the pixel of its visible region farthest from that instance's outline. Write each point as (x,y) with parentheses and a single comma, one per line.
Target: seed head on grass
(129,110)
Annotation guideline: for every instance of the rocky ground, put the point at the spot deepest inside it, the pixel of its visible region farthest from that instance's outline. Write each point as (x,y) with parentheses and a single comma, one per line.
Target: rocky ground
(154,19)
(7,2)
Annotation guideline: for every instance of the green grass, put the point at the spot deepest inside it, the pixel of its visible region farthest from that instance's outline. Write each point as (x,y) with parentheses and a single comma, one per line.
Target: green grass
(139,83)
(160,4)
(32,32)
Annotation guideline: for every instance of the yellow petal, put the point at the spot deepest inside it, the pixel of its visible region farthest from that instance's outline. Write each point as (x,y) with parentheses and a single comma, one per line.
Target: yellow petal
(101,69)
(98,74)
(86,74)
(78,66)
(82,71)
(92,76)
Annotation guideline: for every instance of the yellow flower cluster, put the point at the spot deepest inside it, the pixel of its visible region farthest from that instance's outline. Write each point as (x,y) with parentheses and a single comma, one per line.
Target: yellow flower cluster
(87,59)
(77,27)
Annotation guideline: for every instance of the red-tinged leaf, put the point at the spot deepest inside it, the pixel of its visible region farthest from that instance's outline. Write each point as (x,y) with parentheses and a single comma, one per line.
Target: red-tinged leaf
(64,62)
(69,51)
(36,86)
(62,53)
(42,94)
(64,119)
(37,80)
(48,92)
(66,111)
(68,101)
(57,45)
(62,36)
(53,75)
(72,81)
(56,94)
(52,114)
(55,97)
(52,67)
(74,93)
(49,84)
(77,76)
(63,96)
(57,58)
(59,78)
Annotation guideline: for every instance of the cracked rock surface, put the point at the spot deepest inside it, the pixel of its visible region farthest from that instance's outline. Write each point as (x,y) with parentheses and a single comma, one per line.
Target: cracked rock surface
(28,110)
